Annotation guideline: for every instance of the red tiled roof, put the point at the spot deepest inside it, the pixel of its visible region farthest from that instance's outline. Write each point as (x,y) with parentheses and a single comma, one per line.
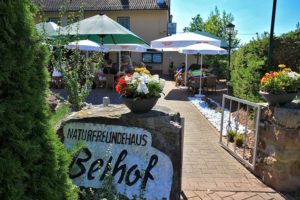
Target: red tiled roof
(99,5)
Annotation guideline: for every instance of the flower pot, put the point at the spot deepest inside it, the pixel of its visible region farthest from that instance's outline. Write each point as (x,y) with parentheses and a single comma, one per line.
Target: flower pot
(280,99)
(139,105)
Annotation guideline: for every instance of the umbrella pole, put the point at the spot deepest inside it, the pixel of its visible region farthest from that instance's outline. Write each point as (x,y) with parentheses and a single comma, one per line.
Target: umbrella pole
(200,76)
(119,62)
(130,61)
(185,73)
(86,73)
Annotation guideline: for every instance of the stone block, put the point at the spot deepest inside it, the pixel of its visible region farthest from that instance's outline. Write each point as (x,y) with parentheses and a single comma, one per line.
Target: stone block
(286,117)
(278,157)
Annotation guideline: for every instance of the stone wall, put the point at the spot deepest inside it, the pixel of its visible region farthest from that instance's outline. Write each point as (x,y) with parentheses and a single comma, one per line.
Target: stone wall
(278,155)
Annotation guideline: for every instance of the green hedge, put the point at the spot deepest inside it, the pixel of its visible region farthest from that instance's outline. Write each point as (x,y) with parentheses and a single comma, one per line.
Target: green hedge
(249,62)
(33,162)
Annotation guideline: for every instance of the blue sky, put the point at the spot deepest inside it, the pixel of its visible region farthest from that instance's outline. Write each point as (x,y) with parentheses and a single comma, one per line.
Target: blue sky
(250,16)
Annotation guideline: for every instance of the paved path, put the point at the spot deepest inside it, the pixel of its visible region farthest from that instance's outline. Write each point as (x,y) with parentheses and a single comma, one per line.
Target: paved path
(209,172)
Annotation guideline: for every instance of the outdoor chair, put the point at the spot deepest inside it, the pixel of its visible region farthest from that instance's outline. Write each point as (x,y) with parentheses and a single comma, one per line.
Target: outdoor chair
(194,84)
(110,81)
(211,83)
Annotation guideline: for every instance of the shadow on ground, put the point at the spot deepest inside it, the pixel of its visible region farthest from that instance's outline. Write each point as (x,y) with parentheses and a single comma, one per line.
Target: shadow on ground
(177,94)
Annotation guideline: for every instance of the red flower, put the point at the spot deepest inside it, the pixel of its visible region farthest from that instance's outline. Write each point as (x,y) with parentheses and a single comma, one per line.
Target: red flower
(122,81)
(118,88)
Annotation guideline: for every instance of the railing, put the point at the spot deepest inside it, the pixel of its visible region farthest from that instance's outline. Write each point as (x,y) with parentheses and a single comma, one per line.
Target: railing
(240,129)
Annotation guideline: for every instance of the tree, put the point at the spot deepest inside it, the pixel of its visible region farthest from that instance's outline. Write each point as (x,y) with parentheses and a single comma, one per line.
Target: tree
(215,24)
(33,161)
(196,24)
(77,70)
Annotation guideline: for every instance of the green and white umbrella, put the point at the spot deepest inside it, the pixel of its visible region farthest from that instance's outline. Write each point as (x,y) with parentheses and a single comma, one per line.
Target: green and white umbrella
(101,29)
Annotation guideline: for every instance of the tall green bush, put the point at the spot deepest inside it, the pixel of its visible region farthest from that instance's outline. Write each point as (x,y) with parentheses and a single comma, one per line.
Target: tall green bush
(246,63)
(287,50)
(33,162)
(249,62)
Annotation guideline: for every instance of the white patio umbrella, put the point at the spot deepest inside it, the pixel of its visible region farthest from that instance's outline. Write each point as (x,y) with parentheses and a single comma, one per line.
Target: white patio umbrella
(180,40)
(49,28)
(128,47)
(87,45)
(203,49)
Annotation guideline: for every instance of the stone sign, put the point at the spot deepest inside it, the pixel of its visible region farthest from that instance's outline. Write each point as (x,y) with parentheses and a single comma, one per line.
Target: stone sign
(124,152)
(140,153)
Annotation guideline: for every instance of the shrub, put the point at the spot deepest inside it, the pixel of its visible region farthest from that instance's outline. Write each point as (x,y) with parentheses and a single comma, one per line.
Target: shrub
(249,62)
(218,65)
(33,162)
(239,140)
(287,50)
(246,66)
(211,104)
(231,135)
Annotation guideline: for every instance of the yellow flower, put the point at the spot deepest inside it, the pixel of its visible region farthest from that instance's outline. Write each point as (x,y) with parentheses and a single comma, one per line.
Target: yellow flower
(145,71)
(287,69)
(138,69)
(281,66)
(142,70)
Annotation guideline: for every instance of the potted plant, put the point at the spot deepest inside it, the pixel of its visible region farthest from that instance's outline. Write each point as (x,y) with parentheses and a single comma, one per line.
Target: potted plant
(280,87)
(140,90)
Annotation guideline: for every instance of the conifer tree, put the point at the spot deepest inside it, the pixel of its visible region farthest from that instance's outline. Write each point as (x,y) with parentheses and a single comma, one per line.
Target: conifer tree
(33,162)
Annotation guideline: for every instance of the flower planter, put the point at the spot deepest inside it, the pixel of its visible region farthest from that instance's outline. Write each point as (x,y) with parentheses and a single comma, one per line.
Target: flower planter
(139,105)
(280,99)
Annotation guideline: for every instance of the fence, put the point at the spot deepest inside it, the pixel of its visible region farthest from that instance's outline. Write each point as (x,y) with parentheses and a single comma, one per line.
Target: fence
(240,129)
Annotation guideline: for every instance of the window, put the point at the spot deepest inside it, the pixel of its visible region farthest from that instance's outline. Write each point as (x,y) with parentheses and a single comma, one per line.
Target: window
(152,57)
(147,58)
(124,21)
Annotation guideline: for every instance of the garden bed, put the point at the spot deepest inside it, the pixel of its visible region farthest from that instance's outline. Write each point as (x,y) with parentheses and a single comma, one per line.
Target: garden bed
(212,112)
